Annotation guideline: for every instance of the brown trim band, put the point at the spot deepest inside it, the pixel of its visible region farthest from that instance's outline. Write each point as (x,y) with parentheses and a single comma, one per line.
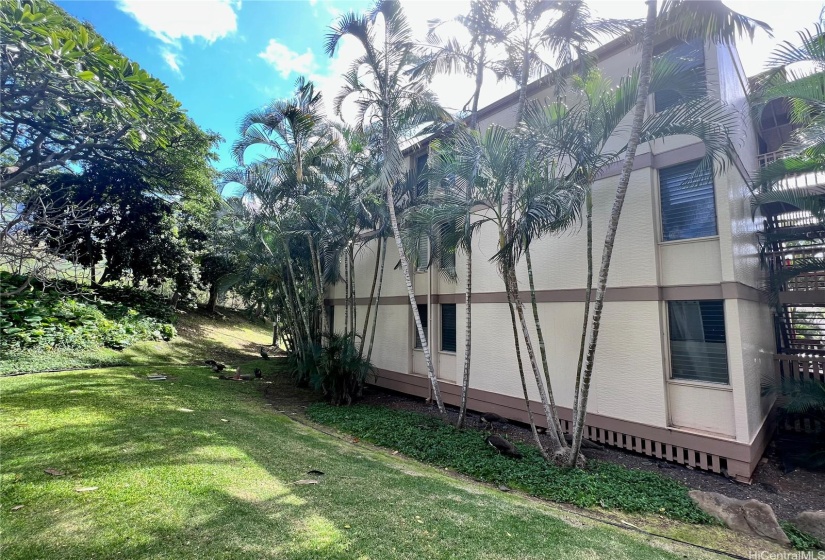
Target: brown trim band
(741,457)
(802,297)
(669,158)
(724,290)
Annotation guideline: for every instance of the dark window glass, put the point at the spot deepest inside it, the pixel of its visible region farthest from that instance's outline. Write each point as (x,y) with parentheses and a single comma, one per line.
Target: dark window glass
(331,318)
(691,57)
(422,312)
(420,167)
(448,327)
(688,205)
(697,340)
(446,257)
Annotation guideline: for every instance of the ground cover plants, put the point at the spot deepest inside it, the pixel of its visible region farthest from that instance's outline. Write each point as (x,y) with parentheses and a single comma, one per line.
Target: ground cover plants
(433,441)
(74,317)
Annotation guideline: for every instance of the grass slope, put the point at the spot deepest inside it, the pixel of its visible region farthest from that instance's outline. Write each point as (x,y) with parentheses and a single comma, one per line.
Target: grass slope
(195,467)
(200,336)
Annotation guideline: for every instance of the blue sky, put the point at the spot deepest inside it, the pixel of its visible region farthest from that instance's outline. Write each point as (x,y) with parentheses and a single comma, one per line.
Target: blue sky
(222,58)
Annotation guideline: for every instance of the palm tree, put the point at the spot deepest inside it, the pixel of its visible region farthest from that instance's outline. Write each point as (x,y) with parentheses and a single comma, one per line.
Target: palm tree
(567,34)
(398,105)
(685,19)
(803,90)
(291,146)
(488,166)
(448,57)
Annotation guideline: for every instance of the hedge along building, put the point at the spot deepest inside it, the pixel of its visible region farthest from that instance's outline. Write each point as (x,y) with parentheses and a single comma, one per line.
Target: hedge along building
(686,333)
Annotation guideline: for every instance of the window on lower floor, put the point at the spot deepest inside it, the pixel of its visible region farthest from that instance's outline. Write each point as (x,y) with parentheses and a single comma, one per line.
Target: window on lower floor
(422,312)
(331,318)
(688,204)
(448,332)
(698,349)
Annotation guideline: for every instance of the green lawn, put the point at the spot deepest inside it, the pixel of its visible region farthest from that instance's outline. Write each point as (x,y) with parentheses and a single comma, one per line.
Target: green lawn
(199,468)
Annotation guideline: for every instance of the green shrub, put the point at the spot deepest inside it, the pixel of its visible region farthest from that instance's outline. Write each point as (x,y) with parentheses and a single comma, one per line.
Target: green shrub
(431,440)
(800,540)
(48,318)
(337,369)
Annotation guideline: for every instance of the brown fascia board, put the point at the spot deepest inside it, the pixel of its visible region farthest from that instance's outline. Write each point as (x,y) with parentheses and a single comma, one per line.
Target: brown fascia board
(605,51)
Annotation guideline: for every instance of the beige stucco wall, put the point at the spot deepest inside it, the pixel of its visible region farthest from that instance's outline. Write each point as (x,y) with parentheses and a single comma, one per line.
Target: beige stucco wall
(631,376)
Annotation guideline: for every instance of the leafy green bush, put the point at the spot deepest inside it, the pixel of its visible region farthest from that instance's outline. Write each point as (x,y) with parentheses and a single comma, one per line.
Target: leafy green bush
(48,318)
(430,440)
(337,369)
(800,540)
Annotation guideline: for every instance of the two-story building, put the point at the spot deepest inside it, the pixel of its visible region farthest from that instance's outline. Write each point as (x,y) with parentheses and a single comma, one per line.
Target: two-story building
(687,336)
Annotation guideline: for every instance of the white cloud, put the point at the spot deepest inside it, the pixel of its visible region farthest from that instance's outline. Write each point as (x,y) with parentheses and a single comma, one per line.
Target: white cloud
(286,61)
(172,59)
(173,20)
(453,90)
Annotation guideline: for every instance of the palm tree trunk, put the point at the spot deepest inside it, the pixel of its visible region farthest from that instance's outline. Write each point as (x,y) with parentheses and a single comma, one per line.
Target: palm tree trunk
(396,231)
(298,303)
(468,292)
(352,289)
(532,420)
(612,226)
(377,297)
(540,337)
(468,323)
(550,413)
(405,268)
(587,294)
(369,304)
(319,284)
(346,293)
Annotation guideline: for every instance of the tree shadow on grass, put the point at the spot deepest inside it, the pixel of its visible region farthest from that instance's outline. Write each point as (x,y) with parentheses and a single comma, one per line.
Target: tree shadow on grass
(219,482)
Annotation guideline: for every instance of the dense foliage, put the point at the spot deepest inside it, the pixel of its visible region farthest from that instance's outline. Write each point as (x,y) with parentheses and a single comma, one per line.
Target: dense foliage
(431,440)
(68,96)
(337,369)
(56,318)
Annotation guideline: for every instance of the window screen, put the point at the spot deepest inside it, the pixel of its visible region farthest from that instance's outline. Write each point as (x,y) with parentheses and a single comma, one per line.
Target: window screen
(688,206)
(422,312)
(448,327)
(697,340)
(691,57)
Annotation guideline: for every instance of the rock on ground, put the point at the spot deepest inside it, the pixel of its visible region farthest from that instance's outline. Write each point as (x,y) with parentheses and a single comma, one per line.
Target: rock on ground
(813,523)
(746,516)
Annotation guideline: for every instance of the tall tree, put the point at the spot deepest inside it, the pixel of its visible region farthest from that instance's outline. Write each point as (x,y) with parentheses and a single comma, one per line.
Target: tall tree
(450,56)
(398,105)
(686,19)
(68,96)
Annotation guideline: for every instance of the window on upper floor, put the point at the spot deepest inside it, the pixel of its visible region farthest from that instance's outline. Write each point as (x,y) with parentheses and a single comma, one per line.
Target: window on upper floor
(691,56)
(698,349)
(448,331)
(688,204)
(423,262)
(420,168)
(422,313)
